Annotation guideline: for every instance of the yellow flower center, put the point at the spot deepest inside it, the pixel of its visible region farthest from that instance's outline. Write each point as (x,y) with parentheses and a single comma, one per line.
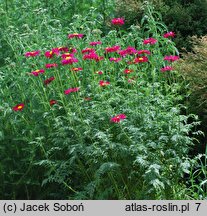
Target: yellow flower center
(50,52)
(37,71)
(68,57)
(19,107)
(141,59)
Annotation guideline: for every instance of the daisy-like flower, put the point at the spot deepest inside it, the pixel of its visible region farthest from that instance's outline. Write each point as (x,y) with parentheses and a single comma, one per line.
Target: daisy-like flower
(53,102)
(69,60)
(112,49)
(139,52)
(95,43)
(62,49)
(115,59)
(70,90)
(127,71)
(32,54)
(92,56)
(88,50)
(77,69)
(103,83)
(128,51)
(49,54)
(37,72)
(118,21)
(171,58)
(65,55)
(166,68)
(18,107)
(140,59)
(51,65)
(75,35)
(150,41)
(99,72)
(169,34)
(49,80)
(118,118)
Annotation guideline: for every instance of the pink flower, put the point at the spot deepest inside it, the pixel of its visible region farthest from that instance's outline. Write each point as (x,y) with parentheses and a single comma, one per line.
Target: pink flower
(88,50)
(140,59)
(169,34)
(115,59)
(18,107)
(53,102)
(50,54)
(77,69)
(95,43)
(49,80)
(63,49)
(51,65)
(75,35)
(32,54)
(112,49)
(128,51)
(92,56)
(103,83)
(118,21)
(37,72)
(65,55)
(70,90)
(118,118)
(150,41)
(127,71)
(69,60)
(143,52)
(166,68)
(171,58)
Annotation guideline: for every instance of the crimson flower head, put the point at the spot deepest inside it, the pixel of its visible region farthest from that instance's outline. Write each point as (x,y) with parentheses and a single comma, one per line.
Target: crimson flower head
(150,41)
(92,56)
(143,52)
(166,68)
(171,58)
(99,72)
(18,107)
(103,83)
(37,72)
(169,34)
(118,118)
(112,49)
(51,65)
(49,80)
(88,50)
(95,43)
(50,54)
(52,102)
(115,59)
(118,21)
(62,49)
(75,35)
(32,54)
(69,60)
(77,69)
(70,90)
(127,71)
(140,59)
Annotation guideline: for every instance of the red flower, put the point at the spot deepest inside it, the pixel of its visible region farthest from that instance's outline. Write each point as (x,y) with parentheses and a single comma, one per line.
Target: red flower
(18,107)
(99,72)
(69,60)
(92,56)
(127,71)
(49,54)
(103,83)
(87,98)
(115,59)
(88,50)
(51,65)
(140,59)
(143,51)
(75,35)
(169,34)
(68,91)
(49,80)
(166,68)
(95,43)
(128,51)
(112,49)
(118,21)
(117,118)
(150,41)
(171,58)
(77,69)
(32,54)
(37,72)
(65,55)
(52,102)
(63,49)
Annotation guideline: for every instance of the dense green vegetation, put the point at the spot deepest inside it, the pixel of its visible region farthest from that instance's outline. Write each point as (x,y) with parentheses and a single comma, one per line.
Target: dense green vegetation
(104,121)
